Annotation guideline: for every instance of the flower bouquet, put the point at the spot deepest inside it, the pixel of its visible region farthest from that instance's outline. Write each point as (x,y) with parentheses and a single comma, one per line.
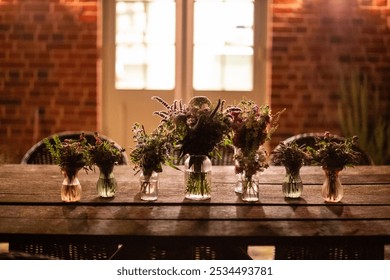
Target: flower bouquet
(150,153)
(71,155)
(252,125)
(105,156)
(292,157)
(333,155)
(198,129)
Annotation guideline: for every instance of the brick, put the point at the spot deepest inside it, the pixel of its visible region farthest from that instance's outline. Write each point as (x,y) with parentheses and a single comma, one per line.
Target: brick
(285,2)
(52,46)
(37,7)
(88,18)
(380,3)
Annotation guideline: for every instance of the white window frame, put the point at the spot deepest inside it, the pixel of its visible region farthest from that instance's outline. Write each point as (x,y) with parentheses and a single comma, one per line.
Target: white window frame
(184,53)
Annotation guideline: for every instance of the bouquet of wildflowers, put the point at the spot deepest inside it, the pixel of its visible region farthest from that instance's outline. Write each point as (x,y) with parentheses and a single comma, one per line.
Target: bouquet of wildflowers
(70,154)
(105,155)
(199,127)
(252,125)
(331,153)
(290,155)
(152,150)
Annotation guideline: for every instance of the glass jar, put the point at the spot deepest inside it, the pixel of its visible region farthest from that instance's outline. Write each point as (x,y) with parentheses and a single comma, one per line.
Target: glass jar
(71,188)
(197,177)
(332,189)
(106,184)
(149,183)
(292,185)
(250,188)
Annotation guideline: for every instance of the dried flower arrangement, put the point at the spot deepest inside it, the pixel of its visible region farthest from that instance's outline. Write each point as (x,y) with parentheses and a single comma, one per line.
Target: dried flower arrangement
(103,153)
(197,130)
(199,127)
(152,150)
(70,153)
(330,153)
(252,126)
(290,155)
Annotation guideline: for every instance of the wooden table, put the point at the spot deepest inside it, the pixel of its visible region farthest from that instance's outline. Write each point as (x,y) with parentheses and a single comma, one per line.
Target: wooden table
(31,209)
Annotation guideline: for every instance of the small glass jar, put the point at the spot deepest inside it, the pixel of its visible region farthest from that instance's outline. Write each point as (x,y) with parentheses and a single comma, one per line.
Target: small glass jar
(250,188)
(149,186)
(106,184)
(292,185)
(71,188)
(332,189)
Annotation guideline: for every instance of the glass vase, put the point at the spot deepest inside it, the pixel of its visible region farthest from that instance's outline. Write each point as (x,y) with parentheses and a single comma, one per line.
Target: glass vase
(238,170)
(71,188)
(292,185)
(250,188)
(197,177)
(332,189)
(149,183)
(106,184)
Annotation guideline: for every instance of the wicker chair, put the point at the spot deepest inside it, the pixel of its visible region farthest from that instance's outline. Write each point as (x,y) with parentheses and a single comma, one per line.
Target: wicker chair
(320,250)
(38,154)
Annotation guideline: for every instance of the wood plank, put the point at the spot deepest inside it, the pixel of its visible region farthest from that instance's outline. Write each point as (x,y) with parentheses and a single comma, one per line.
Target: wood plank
(197,212)
(273,175)
(173,193)
(127,229)
(30,206)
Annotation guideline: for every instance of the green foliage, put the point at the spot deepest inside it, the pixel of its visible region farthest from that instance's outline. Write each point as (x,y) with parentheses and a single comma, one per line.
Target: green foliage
(69,153)
(104,153)
(290,155)
(152,150)
(332,154)
(199,127)
(360,114)
(252,126)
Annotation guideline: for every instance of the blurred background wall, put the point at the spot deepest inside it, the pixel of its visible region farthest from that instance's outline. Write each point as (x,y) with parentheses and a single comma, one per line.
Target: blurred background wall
(50,57)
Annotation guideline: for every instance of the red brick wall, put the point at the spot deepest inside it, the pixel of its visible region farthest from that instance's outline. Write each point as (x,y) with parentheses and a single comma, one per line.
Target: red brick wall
(313,42)
(48,69)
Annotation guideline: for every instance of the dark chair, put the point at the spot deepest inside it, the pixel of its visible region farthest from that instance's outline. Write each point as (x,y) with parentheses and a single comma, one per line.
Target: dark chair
(38,154)
(322,251)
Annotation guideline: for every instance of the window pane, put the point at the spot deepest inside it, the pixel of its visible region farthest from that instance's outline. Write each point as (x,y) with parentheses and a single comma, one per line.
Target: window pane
(223,44)
(145,44)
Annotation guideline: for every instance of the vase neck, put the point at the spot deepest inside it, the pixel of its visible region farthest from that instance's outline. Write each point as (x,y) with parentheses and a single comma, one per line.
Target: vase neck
(70,172)
(197,162)
(106,169)
(293,170)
